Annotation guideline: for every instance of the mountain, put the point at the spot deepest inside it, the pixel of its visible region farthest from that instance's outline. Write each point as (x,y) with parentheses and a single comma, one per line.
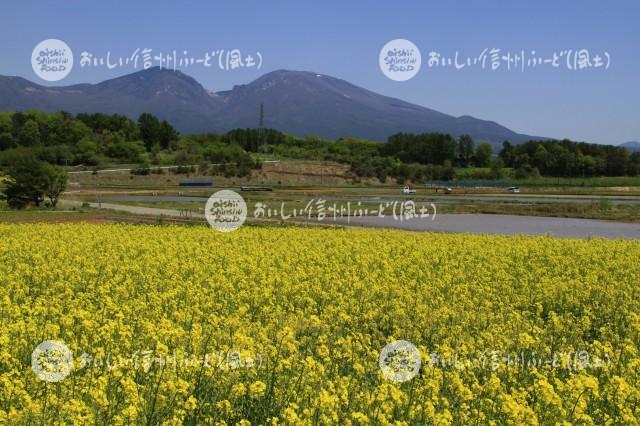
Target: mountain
(171,95)
(296,102)
(631,146)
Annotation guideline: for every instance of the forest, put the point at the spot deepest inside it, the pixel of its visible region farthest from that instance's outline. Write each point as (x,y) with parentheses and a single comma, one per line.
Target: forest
(97,140)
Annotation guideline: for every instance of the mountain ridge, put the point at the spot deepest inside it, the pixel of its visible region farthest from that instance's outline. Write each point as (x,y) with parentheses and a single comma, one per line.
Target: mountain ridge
(631,145)
(296,102)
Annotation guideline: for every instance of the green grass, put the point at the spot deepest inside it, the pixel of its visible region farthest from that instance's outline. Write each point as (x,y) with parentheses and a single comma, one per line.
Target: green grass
(579,182)
(51,216)
(602,210)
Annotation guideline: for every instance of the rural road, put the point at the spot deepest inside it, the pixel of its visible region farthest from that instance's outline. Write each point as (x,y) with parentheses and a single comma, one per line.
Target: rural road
(445,199)
(152,211)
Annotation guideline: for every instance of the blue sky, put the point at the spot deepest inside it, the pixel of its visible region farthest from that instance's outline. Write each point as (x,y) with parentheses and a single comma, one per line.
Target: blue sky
(343,39)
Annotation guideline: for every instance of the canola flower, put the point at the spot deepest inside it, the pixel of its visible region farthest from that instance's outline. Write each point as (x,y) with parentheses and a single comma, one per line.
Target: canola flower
(317,306)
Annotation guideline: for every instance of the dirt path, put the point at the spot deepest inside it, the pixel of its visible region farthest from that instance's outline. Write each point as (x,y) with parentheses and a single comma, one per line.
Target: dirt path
(130,209)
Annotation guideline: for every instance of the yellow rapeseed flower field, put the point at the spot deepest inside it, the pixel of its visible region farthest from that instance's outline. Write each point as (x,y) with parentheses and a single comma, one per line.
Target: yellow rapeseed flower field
(171,325)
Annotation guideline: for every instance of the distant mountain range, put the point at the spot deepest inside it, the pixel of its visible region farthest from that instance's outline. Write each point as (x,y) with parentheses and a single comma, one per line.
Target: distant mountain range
(296,102)
(631,146)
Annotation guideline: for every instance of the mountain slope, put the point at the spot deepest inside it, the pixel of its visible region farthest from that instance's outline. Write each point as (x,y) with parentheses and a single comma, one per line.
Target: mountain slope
(296,102)
(303,103)
(170,95)
(631,146)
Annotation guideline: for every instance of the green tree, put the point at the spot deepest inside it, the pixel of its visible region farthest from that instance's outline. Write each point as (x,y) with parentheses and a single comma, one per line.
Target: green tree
(30,180)
(29,134)
(54,182)
(87,152)
(617,159)
(541,158)
(483,154)
(634,164)
(497,169)
(507,153)
(168,135)
(525,171)
(150,130)
(465,149)
(6,141)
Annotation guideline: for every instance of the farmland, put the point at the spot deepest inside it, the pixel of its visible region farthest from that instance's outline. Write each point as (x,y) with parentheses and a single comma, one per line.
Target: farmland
(171,325)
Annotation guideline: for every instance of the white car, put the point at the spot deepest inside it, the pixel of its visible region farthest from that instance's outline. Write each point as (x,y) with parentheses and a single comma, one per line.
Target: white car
(513,189)
(407,190)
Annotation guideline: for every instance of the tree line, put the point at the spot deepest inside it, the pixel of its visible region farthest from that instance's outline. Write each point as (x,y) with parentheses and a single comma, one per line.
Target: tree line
(35,140)
(94,139)
(569,159)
